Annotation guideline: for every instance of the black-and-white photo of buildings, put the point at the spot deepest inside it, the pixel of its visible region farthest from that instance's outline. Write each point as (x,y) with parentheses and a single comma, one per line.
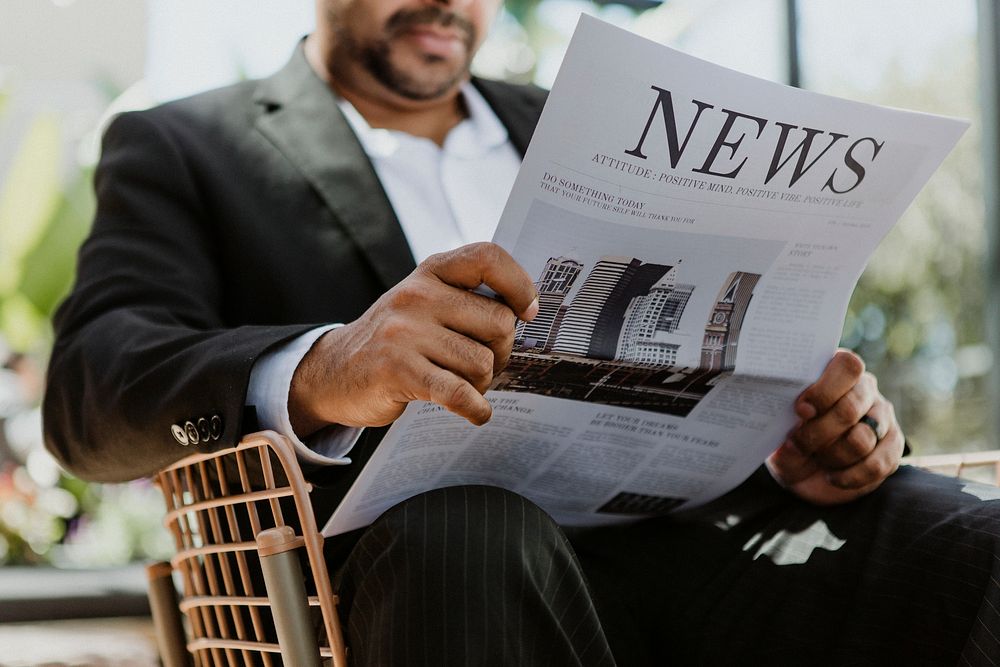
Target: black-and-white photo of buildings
(615,342)
(622,311)
(593,321)
(631,329)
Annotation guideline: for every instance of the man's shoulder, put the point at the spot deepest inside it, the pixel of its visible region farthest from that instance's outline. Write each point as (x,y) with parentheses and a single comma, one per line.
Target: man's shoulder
(214,103)
(210,111)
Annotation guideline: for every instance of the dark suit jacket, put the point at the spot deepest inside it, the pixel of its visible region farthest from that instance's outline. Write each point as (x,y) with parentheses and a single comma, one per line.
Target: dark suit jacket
(227,223)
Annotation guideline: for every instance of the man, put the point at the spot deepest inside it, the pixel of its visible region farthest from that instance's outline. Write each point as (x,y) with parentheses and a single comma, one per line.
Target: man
(236,229)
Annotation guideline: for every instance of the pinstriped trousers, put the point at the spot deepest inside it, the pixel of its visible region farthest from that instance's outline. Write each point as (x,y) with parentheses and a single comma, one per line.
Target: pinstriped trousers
(479,576)
(469,575)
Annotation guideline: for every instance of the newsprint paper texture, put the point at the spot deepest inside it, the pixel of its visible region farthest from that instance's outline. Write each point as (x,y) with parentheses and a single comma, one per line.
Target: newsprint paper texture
(696,234)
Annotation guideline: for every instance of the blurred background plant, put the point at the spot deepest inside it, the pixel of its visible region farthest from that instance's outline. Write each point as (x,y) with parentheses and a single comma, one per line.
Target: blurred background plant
(45,514)
(66,65)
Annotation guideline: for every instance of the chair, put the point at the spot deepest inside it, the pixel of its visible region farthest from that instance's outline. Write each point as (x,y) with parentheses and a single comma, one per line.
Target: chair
(236,558)
(240,518)
(977,466)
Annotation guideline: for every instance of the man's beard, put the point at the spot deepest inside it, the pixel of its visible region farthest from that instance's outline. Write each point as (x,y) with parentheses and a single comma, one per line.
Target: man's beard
(376,56)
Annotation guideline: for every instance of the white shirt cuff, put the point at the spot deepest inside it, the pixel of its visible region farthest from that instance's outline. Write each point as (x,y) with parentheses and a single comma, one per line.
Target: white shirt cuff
(270,381)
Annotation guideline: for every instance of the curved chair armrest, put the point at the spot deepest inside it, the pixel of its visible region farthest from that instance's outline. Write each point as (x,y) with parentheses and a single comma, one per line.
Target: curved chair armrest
(205,493)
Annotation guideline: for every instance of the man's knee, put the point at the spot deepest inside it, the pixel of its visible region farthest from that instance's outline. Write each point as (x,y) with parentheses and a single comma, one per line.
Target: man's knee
(469,517)
(478,564)
(446,542)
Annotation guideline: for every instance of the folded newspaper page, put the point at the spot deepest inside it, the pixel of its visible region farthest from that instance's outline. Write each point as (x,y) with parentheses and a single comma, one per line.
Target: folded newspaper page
(696,234)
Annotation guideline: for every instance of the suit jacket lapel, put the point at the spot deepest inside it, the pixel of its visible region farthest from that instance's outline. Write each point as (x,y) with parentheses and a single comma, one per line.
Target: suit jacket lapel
(517,107)
(301,118)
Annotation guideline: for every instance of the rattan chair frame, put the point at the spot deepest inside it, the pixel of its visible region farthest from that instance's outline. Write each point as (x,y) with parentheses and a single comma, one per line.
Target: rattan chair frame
(227,617)
(961,465)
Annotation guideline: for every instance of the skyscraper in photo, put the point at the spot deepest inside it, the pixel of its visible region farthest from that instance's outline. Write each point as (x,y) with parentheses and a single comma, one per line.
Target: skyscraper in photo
(593,320)
(608,328)
(674,304)
(560,316)
(553,285)
(650,318)
(722,331)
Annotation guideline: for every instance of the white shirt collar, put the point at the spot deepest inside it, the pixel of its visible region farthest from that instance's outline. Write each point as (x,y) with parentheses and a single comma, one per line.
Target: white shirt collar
(481,132)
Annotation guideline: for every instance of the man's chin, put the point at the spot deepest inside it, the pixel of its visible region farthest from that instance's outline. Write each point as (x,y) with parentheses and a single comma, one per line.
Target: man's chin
(432,79)
(427,93)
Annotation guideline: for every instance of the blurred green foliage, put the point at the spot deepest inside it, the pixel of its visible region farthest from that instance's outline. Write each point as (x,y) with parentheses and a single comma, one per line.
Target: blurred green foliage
(45,213)
(42,223)
(917,314)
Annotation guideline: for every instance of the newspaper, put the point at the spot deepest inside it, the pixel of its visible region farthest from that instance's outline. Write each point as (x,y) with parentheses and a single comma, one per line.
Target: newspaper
(696,234)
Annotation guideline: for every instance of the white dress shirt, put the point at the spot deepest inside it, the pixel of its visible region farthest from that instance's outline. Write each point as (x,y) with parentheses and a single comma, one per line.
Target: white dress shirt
(444,197)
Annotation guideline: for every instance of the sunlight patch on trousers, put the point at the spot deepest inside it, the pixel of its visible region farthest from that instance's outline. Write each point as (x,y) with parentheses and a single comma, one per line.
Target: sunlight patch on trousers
(982,491)
(795,548)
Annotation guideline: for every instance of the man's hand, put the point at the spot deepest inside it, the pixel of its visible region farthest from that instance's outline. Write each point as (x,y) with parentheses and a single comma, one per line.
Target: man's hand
(831,456)
(428,338)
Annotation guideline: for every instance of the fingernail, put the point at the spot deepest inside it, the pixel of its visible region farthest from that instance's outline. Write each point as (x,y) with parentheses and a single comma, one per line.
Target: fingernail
(805,410)
(531,311)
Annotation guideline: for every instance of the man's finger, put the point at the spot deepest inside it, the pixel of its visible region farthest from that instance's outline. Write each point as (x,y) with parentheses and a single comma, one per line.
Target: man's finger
(482,319)
(874,468)
(842,373)
(859,440)
(477,264)
(821,434)
(789,466)
(466,358)
(443,387)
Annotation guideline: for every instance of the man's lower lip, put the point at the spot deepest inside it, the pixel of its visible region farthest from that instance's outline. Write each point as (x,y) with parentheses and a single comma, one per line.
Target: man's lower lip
(435,43)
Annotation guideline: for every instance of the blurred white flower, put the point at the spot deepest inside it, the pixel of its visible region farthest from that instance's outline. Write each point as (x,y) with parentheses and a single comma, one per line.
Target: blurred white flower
(12,398)
(43,469)
(24,432)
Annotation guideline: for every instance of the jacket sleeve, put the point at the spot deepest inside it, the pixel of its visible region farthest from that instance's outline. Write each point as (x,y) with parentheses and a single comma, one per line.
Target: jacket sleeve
(142,355)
